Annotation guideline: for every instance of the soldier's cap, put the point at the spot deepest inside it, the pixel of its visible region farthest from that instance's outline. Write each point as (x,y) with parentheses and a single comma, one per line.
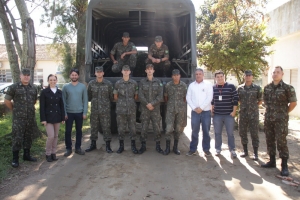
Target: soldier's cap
(98,69)
(126,67)
(158,38)
(125,34)
(25,71)
(248,72)
(149,65)
(175,72)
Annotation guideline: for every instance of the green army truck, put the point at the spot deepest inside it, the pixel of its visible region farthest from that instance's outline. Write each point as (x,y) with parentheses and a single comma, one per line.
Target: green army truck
(174,20)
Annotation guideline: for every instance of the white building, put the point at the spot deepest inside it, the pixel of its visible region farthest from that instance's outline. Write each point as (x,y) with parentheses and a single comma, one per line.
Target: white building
(284,24)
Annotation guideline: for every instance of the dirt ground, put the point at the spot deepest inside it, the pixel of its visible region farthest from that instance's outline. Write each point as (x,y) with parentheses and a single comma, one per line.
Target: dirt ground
(99,175)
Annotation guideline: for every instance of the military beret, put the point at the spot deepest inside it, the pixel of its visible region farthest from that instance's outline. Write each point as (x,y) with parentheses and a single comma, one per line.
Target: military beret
(248,72)
(126,67)
(99,68)
(125,34)
(25,71)
(158,39)
(175,72)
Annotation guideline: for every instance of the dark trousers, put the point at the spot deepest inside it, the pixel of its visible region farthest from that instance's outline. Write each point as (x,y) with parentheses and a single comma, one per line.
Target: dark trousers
(78,118)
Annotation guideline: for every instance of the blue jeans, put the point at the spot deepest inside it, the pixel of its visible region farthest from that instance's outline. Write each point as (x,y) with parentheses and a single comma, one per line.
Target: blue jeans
(203,118)
(219,121)
(78,118)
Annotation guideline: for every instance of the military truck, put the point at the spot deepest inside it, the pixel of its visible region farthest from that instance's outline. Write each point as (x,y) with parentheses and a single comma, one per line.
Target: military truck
(174,20)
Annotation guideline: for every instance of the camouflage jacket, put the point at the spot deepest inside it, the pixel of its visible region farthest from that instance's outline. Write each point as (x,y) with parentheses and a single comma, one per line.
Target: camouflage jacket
(249,97)
(100,94)
(162,52)
(277,99)
(176,95)
(24,97)
(150,92)
(119,49)
(126,90)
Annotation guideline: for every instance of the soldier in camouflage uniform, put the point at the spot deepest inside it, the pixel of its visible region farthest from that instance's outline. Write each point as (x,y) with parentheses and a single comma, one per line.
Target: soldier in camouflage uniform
(24,96)
(158,56)
(150,96)
(175,93)
(125,53)
(100,94)
(250,96)
(280,99)
(125,93)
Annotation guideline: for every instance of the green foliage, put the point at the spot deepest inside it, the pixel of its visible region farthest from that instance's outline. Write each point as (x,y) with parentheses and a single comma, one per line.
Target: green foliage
(233,37)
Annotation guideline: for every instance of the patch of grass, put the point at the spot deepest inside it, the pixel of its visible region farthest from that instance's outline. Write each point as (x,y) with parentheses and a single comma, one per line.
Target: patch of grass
(38,145)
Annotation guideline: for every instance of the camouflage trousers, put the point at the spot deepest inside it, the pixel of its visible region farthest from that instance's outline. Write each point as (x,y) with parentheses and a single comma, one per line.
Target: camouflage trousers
(123,120)
(245,124)
(22,133)
(98,122)
(179,119)
(276,131)
(154,116)
(128,60)
(160,68)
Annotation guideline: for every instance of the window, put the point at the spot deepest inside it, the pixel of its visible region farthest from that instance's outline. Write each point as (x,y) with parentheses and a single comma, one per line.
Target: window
(38,74)
(5,75)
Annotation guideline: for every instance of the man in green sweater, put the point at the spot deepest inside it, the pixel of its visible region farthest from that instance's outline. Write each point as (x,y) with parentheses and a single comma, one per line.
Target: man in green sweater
(76,104)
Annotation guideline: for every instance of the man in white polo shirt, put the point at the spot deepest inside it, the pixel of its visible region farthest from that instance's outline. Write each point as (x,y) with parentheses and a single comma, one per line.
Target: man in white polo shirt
(199,96)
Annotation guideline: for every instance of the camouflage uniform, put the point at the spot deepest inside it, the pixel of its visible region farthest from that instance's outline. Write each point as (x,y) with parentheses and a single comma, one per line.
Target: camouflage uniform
(249,96)
(100,94)
(126,107)
(23,125)
(162,52)
(130,60)
(150,92)
(176,109)
(277,98)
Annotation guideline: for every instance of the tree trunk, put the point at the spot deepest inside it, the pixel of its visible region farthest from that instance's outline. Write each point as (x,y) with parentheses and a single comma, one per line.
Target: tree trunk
(10,48)
(80,48)
(28,59)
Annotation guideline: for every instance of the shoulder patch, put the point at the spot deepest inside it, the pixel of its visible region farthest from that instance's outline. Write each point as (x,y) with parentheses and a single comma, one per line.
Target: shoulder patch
(292,89)
(136,88)
(167,51)
(161,84)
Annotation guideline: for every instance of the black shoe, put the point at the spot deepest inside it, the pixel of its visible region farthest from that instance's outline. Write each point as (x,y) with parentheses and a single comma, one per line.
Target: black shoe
(271,163)
(53,156)
(158,149)
(121,148)
(49,158)
(27,156)
(191,153)
(167,151)
(245,154)
(79,151)
(92,146)
(207,153)
(255,156)
(175,147)
(143,148)
(284,167)
(133,147)
(15,160)
(107,148)
(68,152)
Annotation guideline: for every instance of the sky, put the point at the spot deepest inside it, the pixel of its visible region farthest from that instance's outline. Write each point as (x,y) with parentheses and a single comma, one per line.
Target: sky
(46,31)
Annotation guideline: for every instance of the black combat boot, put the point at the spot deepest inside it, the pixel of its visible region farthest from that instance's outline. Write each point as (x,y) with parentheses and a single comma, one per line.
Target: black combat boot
(167,151)
(158,149)
(284,167)
(133,147)
(271,163)
(255,156)
(27,156)
(53,156)
(92,147)
(49,158)
(175,147)
(245,154)
(15,160)
(143,148)
(108,149)
(121,148)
